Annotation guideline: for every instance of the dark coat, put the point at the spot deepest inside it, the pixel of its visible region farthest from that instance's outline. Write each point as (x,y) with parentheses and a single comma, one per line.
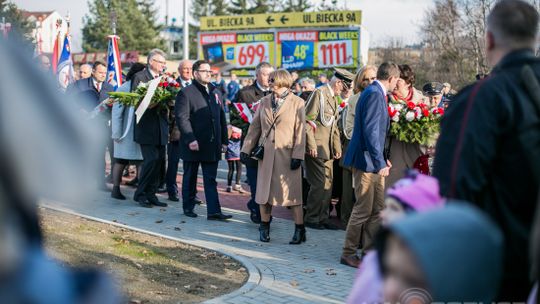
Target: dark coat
(85,94)
(481,159)
(200,117)
(247,95)
(366,149)
(153,128)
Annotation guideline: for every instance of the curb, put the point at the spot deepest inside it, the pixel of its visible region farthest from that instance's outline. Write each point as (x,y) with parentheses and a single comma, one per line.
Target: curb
(254,274)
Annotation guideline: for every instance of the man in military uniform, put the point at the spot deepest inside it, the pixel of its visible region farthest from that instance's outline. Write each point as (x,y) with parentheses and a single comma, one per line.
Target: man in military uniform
(323,146)
(434,93)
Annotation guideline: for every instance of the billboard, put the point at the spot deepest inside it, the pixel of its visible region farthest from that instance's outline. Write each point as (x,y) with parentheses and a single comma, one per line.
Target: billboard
(289,49)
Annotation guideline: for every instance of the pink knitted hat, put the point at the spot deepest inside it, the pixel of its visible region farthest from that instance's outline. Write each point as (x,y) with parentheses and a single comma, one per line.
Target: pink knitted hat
(420,192)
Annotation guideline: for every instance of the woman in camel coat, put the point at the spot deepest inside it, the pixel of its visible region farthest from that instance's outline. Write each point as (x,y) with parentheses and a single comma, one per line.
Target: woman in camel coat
(279,179)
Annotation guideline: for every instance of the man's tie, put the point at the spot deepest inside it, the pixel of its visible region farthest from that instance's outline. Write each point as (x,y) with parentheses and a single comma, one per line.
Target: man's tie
(98,86)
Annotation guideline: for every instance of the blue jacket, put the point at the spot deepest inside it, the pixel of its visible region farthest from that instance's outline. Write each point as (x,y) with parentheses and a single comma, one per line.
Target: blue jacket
(366,149)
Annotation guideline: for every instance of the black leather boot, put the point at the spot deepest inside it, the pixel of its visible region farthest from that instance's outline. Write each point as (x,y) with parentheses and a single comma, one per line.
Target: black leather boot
(264,232)
(299,235)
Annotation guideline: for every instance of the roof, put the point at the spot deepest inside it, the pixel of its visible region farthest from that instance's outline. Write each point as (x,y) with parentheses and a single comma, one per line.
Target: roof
(44,14)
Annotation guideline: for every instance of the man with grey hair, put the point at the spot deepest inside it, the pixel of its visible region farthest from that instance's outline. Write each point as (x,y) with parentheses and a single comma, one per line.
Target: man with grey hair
(185,69)
(152,134)
(488,152)
(323,145)
(247,97)
(307,85)
(85,71)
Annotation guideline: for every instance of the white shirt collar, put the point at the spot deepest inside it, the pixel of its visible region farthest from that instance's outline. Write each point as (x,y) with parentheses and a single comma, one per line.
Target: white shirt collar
(260,87)
(96,82)
(154,75)
(385,91)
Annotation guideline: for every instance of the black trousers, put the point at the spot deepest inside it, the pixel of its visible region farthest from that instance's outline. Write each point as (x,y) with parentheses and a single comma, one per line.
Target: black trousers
(150,169)
(173,158)
(189,185)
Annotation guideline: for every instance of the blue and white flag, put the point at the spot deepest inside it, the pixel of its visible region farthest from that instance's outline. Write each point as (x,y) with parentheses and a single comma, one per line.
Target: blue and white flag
(114,67)
(65,72)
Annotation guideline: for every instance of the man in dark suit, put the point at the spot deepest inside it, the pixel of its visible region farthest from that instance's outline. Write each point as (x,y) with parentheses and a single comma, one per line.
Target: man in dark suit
(152,134)
(249,95)
(203,128)
(185,68)
(366,156)
(88,94)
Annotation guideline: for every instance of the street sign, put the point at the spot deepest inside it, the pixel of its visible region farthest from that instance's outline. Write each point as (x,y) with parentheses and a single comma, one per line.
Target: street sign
(280,20)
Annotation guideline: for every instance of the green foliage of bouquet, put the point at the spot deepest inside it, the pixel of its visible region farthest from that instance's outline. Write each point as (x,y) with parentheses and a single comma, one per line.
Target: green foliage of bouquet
(163,96)
(415,123)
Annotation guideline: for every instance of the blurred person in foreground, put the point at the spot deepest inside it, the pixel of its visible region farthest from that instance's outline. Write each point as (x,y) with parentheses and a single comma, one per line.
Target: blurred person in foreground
(448,255)
(279,126)
(411,194)
(488,151)
(52,131)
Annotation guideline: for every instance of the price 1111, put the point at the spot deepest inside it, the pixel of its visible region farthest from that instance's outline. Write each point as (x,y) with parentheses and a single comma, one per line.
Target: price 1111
(335,53)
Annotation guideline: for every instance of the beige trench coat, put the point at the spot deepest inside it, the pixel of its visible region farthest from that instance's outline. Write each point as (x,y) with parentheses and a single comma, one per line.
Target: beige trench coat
(277,184)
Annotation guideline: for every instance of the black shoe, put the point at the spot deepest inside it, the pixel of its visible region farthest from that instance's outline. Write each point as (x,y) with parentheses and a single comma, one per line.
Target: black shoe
(218,217)
(330,226)
(299,235)
(143,202)
(162,189)
(264,232)
(174,198)
(314,226)
(190,213)
(115,193)
(197,201)
(154,201)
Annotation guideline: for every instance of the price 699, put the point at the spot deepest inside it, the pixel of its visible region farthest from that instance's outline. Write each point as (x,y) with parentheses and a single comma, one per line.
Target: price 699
(252,54)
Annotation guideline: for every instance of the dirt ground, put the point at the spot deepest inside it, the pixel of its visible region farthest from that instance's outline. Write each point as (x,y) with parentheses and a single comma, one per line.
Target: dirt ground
(148,269)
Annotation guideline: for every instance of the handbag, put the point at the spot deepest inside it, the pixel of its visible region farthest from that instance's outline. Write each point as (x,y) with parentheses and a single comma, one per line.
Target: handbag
(258,152)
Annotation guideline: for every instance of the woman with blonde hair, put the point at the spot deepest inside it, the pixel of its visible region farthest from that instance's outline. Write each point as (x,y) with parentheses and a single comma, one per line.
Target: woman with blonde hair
(278,130)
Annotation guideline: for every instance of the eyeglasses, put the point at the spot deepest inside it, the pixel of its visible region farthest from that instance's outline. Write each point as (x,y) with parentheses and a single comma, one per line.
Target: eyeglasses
(271,80)
(160,62)
(369,79)
(204,71)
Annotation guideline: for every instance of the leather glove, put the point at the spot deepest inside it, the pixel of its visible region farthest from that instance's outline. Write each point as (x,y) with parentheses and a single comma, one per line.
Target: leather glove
(244,157)
(295,163)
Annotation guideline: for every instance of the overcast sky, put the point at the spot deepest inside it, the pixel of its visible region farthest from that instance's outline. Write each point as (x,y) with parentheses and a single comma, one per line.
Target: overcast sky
(383,19)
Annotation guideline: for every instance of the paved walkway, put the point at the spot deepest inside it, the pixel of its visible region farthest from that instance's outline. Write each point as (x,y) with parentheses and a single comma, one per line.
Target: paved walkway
(278,272)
